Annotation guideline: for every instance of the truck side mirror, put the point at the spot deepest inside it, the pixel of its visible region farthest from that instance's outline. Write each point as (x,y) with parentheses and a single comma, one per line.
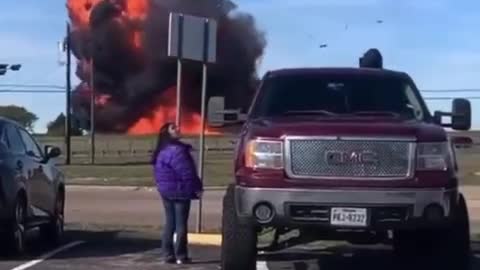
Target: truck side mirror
(461,115)
(218,116)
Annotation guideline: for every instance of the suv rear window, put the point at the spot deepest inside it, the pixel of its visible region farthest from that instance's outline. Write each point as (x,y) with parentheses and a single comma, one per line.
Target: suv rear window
(14,140)
(340,94)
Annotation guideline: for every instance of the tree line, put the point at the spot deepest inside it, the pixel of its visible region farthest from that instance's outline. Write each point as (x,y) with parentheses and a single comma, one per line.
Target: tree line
(27,119)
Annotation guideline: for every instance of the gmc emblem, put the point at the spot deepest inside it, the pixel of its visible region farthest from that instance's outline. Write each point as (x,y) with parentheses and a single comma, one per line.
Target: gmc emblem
(351,158)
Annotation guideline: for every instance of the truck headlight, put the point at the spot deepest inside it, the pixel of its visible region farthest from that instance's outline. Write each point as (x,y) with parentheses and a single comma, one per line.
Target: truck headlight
(264,154)
(433,156)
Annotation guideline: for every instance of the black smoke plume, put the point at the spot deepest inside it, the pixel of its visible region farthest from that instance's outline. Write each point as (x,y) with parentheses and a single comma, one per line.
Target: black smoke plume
(133,78)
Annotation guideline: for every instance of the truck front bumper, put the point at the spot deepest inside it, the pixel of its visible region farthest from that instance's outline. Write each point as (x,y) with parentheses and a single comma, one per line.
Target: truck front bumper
(385,208)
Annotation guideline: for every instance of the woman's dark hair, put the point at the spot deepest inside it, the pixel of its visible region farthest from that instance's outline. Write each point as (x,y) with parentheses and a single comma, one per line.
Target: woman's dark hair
(164,138)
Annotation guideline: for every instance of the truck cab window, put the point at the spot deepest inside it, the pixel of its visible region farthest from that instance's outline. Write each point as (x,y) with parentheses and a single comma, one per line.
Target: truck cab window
(340,95)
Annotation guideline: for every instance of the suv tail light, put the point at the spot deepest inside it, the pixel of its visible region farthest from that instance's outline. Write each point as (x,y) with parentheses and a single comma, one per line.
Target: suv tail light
(434,156)
(264,154)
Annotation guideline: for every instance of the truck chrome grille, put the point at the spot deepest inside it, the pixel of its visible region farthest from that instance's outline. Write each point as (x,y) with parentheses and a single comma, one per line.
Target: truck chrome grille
(352,159)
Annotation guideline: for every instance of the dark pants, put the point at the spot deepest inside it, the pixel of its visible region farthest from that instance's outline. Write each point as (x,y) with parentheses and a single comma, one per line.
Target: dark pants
(176,215)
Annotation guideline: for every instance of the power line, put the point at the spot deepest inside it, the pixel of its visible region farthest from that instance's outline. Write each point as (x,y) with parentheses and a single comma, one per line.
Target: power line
(452,91)
(31,91)
(57,91)
(449,98)
(33,86)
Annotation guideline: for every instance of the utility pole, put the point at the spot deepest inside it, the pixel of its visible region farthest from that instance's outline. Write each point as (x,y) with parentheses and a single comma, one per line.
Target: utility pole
(92,111)
(68,119)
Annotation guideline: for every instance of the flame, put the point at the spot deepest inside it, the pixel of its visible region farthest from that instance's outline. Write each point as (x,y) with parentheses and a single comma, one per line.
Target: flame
(137,9)
(191,123)
(137,40)
(102,99)
(80,10)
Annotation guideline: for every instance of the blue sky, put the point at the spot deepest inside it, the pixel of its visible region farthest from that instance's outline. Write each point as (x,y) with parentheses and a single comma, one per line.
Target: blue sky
(435,41)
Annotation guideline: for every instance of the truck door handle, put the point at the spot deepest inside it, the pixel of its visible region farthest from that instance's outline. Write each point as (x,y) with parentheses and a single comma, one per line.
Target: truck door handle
(19,165)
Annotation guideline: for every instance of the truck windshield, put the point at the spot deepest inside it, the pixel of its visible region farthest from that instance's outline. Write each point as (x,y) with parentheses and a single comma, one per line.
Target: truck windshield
(339,96)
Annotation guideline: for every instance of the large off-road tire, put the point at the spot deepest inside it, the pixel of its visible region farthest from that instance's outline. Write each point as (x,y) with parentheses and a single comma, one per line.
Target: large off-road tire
(447,248)
(16,231)
(239,239)
(53,231)
(456,246)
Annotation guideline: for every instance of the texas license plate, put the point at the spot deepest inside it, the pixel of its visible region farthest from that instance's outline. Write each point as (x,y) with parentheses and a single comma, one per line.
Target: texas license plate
(351,217)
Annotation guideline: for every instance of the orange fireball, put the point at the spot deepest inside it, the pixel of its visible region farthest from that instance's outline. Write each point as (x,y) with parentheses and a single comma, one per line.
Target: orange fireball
(191,123)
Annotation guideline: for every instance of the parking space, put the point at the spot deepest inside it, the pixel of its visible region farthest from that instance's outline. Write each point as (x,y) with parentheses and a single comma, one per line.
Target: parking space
(37,251)
(125,250)
(106,250)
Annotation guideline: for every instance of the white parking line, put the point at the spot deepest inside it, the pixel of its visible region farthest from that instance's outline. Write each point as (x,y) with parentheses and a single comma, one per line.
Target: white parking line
(46,256)
(307,265)
(262,265)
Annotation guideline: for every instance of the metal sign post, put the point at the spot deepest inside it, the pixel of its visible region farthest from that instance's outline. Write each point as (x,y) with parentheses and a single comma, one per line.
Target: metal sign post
(194,38)
(178,120)
(92,112)
(201,154)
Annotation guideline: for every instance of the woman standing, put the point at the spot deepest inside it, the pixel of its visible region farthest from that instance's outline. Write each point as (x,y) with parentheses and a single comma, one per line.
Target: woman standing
(178,184)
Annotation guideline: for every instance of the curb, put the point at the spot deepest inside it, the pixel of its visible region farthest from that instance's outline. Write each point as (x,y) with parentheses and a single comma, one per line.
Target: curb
(205,239)
(129,188)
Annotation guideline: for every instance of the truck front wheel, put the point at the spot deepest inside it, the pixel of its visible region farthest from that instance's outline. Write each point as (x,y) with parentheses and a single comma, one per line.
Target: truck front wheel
(449,247)
(239,239)
(456,245)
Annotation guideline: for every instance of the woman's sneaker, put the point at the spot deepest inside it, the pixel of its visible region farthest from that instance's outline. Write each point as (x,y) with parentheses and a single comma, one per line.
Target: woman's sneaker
(184,261)
(169,260)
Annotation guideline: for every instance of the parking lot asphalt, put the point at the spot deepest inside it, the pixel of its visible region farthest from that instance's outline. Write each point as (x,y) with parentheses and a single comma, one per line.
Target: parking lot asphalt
(121,235)
(106,250)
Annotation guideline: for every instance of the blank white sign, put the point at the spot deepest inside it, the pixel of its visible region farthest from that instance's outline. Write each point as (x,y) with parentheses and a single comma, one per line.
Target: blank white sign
(193,38)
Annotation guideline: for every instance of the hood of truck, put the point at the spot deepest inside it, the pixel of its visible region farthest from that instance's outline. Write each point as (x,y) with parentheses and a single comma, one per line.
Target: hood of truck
(354,126)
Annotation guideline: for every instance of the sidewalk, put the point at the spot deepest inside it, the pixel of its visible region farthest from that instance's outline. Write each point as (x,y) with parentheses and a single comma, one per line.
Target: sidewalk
(472,194)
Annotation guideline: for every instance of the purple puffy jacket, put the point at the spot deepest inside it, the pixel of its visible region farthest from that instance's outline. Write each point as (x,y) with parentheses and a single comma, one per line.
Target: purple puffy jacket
(175,173)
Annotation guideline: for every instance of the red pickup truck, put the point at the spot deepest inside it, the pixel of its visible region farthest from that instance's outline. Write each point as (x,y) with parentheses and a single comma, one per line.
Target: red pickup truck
(346,154)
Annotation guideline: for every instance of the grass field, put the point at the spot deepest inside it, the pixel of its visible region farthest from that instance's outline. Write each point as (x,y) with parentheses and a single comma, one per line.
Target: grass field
(124,160)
